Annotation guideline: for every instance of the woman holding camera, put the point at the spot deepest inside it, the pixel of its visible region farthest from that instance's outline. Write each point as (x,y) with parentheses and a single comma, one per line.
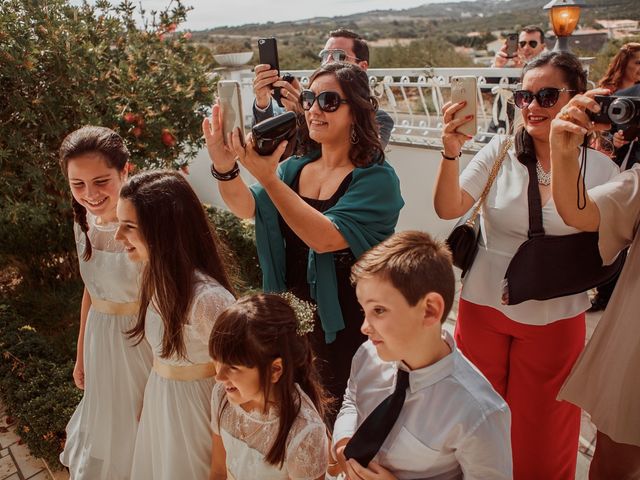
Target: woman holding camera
(525,350)
(318,212)
(604,381)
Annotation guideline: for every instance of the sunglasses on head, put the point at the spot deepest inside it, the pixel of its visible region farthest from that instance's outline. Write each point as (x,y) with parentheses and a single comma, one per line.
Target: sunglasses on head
(327,101)
(546,97)
(532,43)
(336,55)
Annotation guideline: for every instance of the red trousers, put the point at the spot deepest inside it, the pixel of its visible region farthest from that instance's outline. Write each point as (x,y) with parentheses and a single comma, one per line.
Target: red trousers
(527,365)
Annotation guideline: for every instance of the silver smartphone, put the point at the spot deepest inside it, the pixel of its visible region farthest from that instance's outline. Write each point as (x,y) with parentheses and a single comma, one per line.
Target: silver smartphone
(231,108)
(465,89)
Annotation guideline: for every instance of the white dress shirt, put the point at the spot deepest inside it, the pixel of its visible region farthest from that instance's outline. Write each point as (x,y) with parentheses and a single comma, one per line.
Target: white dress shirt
(453,424)
(505,223)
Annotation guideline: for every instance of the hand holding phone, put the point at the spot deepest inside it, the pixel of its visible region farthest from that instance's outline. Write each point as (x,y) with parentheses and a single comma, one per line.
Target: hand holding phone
(512,45)
(464,89)
(230,108)
(268,52)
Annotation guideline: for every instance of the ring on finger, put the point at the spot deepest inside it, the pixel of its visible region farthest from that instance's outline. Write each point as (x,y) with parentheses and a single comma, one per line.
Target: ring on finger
(565,115)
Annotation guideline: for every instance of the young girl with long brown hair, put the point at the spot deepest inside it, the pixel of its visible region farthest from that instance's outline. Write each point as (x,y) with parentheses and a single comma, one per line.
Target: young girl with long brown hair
(109,368)
(268,405)
(184,288)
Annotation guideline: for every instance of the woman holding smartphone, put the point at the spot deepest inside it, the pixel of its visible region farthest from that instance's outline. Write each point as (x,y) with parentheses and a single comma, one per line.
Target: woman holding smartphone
(525,350)
(316,213)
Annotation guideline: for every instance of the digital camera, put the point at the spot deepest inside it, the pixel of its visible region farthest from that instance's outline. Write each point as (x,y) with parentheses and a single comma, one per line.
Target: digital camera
(623,112)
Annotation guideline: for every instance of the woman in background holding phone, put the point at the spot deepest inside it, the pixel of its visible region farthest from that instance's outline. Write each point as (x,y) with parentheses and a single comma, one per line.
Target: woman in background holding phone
(318,212)
(525,350)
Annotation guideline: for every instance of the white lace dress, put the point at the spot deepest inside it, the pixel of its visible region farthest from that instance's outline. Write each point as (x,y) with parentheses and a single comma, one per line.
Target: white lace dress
(102,431)
(174,437)
(247,437)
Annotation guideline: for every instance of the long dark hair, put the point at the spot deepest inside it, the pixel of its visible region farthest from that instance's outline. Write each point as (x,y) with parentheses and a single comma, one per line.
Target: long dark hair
(354,82)
(180,240)
(91,139)
(255,331)
(615,72)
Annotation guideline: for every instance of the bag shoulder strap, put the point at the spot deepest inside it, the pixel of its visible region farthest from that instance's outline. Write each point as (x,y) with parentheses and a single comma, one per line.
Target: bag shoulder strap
(506,145)
(535,203)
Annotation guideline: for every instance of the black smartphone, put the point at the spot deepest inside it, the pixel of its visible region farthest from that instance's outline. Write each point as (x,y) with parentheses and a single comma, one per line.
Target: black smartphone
(268,52)
(512,45)
(268,134)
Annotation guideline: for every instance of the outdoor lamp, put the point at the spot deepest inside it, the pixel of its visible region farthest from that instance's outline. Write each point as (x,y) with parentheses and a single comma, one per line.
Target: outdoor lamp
(564,16)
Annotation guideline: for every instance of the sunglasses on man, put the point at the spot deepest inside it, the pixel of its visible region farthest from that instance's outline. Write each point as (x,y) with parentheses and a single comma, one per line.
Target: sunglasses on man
(546,97)
(336,55)
(532,43)
(327,101)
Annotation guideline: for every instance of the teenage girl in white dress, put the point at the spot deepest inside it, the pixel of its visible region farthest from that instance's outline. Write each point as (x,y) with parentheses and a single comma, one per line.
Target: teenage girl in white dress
(110,369)
(184,288)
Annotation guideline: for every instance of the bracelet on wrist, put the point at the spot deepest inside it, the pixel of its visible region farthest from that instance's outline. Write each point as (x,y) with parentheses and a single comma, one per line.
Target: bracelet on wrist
(456,157)
(226,176)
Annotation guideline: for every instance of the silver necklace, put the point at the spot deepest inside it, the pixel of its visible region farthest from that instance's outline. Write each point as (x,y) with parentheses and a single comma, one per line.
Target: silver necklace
(544,178)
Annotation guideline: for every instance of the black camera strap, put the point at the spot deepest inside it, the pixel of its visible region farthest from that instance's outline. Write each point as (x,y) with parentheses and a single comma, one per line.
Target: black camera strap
(582,172)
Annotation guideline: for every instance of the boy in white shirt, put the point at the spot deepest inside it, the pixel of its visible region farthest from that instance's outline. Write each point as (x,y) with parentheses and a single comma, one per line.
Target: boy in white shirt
(451,423)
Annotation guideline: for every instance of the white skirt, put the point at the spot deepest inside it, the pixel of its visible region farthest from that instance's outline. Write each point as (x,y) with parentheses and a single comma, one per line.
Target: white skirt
(174,437)
(101,433)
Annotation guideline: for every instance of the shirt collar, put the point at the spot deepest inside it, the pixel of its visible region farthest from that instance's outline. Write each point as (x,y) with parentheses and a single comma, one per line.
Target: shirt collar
(427,376)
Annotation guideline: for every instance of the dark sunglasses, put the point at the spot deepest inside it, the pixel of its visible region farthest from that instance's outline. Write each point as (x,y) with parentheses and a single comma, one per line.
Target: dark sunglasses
(546,97)
(327,101)
(532,43)
(336,55)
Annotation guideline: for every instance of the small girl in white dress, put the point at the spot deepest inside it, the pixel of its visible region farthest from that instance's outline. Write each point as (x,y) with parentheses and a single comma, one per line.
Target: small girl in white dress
(267,407)
(110,369)
(184,288)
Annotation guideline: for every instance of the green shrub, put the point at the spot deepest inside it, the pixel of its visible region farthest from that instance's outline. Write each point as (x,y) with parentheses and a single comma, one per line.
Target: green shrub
(64,66)
(239,236)
(36,364)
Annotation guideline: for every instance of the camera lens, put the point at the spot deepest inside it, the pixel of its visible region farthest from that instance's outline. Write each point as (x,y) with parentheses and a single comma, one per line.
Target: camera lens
(621,111)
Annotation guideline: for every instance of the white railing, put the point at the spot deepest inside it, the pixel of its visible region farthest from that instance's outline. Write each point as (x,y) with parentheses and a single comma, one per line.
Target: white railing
(414,98)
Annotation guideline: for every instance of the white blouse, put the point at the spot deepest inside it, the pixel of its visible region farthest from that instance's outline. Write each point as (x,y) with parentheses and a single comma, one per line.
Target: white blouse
(453,424)
(248,436)
(505,222)
(209,300)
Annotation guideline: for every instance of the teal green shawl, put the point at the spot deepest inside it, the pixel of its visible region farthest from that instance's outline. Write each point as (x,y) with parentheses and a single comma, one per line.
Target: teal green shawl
(365,215)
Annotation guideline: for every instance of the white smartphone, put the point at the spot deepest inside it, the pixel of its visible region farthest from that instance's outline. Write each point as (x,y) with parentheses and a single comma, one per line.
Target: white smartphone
(465,89)
(231,108)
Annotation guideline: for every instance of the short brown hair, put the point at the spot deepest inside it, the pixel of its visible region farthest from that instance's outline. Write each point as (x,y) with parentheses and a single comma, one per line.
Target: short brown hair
(534,29)
(360,47)
(414,263)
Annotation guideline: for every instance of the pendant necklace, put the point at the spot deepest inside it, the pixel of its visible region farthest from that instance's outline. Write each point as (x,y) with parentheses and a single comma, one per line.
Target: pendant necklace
(544,178)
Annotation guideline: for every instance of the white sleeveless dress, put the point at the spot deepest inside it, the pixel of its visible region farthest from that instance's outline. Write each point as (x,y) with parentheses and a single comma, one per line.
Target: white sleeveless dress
(248,436)
(102,431)
(174,438)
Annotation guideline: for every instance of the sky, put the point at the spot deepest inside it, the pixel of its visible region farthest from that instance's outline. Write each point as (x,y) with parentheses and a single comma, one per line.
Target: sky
(217,13)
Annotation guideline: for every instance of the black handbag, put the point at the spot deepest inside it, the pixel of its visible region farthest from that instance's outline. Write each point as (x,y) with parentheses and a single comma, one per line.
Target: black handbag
(552,266)
(463,239)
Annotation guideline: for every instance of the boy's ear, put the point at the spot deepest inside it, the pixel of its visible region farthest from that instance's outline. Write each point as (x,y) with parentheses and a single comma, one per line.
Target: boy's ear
(433,307)
(276,370)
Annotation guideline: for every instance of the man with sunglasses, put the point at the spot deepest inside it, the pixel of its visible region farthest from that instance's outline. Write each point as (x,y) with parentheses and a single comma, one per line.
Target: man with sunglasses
(342,46)
(530,45)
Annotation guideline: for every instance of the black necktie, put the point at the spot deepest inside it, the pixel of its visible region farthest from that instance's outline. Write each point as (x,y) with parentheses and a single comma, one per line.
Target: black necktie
(372,433)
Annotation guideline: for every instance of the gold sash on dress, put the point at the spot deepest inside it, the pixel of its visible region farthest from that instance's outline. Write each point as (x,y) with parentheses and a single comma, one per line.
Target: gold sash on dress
(113,308)
(187,373)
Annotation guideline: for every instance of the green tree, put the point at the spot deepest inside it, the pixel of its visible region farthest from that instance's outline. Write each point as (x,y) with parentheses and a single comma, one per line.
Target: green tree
(62,67)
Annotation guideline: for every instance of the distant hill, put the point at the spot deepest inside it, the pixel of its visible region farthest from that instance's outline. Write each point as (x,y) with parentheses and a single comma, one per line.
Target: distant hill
(444,24)
(441,18)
